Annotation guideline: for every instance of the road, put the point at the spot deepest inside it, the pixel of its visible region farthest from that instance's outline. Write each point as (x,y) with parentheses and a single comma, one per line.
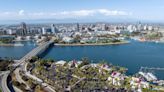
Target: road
(3,72)
(18,77)
(44,85)
(34,52)
(4,82)
(22,64)
(81,79)
(47,87)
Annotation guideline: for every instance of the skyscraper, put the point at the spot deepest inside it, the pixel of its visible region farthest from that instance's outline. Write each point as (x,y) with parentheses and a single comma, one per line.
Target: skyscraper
(23,29)
(43,31)
(78,29)
(53,28)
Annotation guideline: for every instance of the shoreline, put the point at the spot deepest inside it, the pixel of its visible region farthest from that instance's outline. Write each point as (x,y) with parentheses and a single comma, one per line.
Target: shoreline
(7,45)
(23,40)
(92,44)
(10,45)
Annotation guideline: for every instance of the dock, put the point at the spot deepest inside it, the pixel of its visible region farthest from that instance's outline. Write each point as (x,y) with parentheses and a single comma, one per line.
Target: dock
(151,68)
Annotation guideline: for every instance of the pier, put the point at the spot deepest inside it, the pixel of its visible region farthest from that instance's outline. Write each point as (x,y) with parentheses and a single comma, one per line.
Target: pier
(151,68)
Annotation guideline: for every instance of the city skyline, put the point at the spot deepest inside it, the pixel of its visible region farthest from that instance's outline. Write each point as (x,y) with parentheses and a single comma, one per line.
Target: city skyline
(81,46)
(81,11)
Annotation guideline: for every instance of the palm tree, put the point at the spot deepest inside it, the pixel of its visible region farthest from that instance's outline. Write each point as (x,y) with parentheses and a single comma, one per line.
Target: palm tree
(122,70)
(85,61)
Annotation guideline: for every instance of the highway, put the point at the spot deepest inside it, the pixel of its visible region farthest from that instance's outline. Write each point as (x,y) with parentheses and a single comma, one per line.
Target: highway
(19,77)
(22,64)
(41,48)
(4,82)
(22,61)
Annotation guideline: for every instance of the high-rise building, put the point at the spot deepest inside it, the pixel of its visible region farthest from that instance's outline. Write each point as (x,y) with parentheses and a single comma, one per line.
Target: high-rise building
(103,27)
(10,31)
(130,28)
(145,27)
(53,29)
(139,27)
(23,29)
(43,31)
(150,28)
(78,28)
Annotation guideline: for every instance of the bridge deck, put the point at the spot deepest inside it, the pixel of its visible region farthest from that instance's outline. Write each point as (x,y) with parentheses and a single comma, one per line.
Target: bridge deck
(35,52)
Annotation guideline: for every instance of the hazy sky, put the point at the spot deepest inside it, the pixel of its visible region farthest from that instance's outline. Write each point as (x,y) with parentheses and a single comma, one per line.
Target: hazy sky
(151,10)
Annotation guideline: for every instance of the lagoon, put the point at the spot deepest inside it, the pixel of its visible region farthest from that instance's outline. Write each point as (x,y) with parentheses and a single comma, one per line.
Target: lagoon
(132,55)
(16,52)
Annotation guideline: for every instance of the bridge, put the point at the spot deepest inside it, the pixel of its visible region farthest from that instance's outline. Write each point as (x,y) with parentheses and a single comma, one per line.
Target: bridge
(35,52)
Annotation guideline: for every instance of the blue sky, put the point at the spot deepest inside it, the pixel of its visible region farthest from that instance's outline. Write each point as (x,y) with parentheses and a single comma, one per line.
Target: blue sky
(112,10)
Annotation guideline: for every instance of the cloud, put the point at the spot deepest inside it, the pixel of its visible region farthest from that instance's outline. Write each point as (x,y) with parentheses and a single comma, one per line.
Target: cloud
(94,12)
(83,13)
(80,13)
(5,13)
(37,14)
(110,13)
(64,14)
(21,12)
